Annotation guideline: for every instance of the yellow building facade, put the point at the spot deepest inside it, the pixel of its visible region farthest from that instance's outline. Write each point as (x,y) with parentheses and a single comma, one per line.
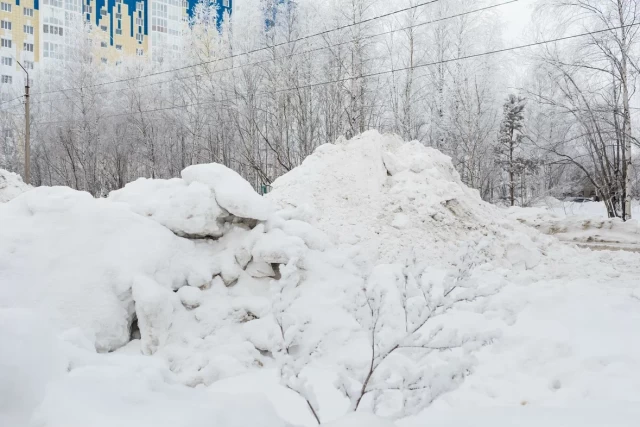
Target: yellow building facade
(38,31)
(19,36)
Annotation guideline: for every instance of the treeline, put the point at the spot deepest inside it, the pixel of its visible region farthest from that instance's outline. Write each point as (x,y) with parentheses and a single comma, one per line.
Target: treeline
(98,126)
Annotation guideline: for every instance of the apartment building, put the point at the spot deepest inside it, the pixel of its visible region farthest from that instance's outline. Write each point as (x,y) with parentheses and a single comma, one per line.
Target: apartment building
(40,31)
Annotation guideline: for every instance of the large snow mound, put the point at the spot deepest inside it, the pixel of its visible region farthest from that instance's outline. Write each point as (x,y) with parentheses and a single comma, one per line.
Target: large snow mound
(11,185)
(394,200)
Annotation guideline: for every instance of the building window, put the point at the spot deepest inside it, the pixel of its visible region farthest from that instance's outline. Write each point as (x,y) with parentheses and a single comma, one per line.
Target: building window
(28,65)
(55,3)
(138,37)
(103,44)
(103,28)
(118,16)
(53,50)
(6,79)
(52,29)
(119,31)
(5,25)
(87,9)
(225,3)
(139,52)
(6,43)
(28,11)
(28,29)
(118,47)
(5,7)
(7,61)
(139,6)
(104,60)
(28,47)
(103,12)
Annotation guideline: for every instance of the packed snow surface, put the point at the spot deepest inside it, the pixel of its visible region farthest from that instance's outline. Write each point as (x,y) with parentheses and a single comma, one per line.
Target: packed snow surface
(589,228)
(110,314)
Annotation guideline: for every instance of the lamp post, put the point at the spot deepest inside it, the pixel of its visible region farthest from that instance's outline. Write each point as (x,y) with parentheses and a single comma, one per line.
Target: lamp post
(27,128)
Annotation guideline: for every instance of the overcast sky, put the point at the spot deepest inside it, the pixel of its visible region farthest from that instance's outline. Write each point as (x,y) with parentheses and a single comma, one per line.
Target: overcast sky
(517,17)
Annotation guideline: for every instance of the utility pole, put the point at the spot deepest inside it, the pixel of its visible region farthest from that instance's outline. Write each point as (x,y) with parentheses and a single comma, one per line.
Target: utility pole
(27,129)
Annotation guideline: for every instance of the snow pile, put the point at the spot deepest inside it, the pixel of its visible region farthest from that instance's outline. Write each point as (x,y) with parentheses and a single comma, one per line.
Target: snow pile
(201,204)
(588,231)
(104,390)
(369,278)
(232,192)
(393,201)
(185,209)
(74,259)
(11,185)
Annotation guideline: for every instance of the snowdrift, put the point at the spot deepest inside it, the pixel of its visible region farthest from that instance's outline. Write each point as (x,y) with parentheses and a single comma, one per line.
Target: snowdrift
(371,253)
(11,185)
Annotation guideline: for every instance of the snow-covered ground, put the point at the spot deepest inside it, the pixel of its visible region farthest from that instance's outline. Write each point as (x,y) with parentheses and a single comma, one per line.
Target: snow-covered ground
(369,278)
(585,224)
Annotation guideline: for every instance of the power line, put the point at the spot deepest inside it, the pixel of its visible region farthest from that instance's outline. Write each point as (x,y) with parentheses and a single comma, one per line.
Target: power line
(461,58)
(306,37)
(11,100)
(458,15)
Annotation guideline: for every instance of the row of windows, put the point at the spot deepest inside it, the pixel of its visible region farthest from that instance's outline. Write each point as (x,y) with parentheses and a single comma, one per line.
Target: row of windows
(25,46)
(54,3)
(6,25)
(9,61)
(52,29)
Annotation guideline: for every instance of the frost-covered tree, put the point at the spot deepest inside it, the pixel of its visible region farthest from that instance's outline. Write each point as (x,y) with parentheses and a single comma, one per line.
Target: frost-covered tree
(510,140)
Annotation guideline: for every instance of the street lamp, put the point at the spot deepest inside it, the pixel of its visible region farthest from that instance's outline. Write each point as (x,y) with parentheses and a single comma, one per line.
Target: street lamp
(27,145)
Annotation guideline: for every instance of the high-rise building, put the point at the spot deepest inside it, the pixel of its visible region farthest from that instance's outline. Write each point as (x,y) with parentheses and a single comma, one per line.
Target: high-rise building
(40,31)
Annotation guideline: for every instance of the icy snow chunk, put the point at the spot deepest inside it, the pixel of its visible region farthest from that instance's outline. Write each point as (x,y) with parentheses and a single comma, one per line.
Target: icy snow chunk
(243,256)
(190,296)
(276,247)
(523,254)
(11,185)
(187,209)
(231,191)
(400,221)
(261,333)
(259,269)
(312,237)
(154,308)
(392,163)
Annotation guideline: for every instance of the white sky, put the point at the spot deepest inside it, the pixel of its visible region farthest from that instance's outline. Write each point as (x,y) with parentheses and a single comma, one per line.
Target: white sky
(517,17)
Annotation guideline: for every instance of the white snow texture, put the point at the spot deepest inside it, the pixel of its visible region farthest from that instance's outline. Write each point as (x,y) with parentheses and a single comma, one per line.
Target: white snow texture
(196,302)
